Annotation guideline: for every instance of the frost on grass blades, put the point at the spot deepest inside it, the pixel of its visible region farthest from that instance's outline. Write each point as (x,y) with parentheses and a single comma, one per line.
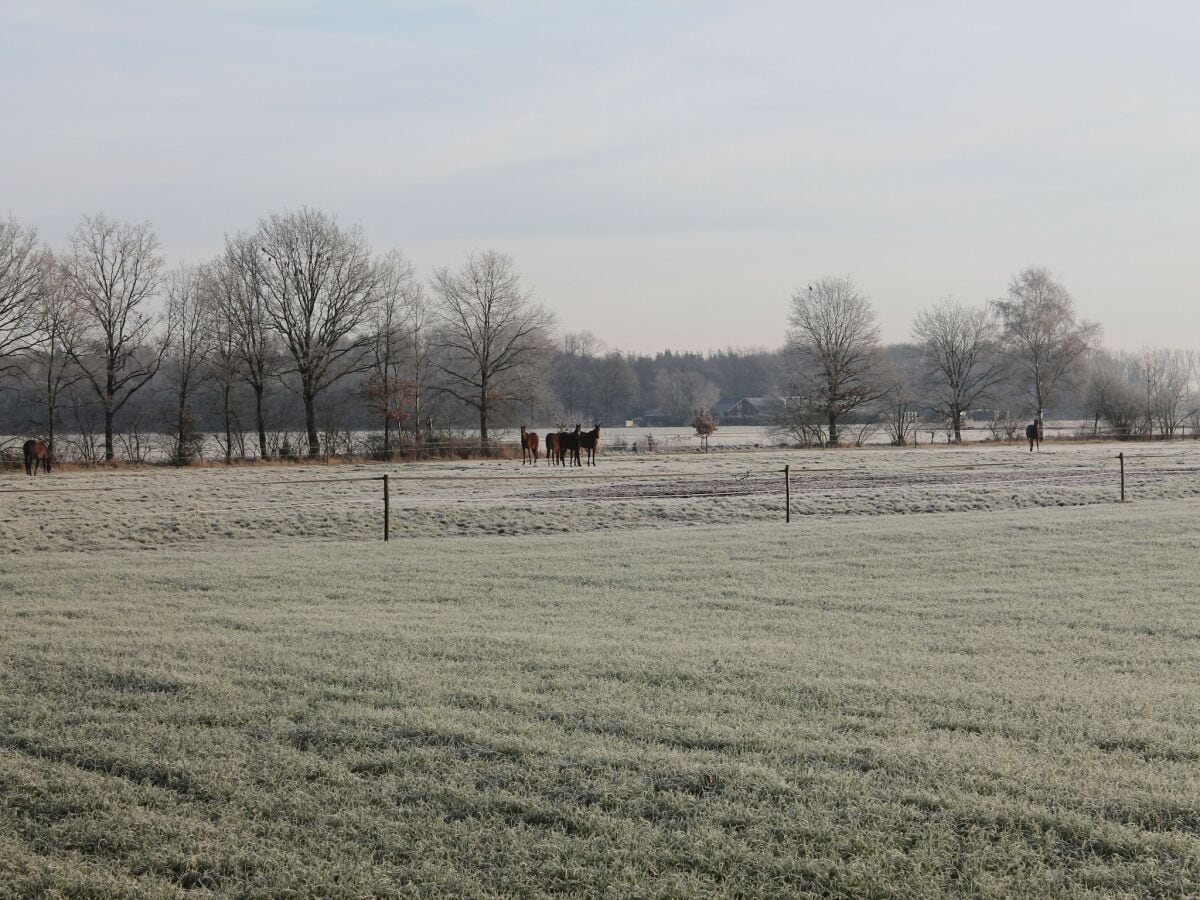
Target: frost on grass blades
(629,680)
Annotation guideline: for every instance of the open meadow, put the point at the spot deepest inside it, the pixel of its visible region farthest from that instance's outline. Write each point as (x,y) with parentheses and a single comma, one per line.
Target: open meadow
(957,672)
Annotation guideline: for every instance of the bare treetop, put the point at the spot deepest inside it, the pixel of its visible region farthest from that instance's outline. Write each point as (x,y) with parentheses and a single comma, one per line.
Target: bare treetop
(25,269)
(319,285)
(834,339)
(490,329)
(113,270)
(1046,341)
(960,348)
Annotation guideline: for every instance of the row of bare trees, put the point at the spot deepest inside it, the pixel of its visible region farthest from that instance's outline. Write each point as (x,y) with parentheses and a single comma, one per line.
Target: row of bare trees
(1030,343)
(300,301)
(301,304)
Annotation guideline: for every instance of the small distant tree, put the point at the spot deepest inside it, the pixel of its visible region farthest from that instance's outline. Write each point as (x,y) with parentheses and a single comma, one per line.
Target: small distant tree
(190,330)
(238,281)
(51,372)
(1047,344)
(703,422)
(1110,395)
(387,392)
(901,405)
(960,348)
(225,360)
(834,347)
(1166,379)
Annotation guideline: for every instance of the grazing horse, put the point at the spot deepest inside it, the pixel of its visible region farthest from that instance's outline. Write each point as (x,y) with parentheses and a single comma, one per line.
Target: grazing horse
(1034,434)
(551,448)
(529,445)
(37,452)
(588,441)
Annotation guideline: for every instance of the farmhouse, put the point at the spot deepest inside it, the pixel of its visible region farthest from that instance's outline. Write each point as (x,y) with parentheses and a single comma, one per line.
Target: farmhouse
(745,410)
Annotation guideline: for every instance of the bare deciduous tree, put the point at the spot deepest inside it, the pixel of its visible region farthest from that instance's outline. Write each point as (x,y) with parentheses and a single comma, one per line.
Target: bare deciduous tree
(491,337)
(51,371)
(190,328)
(113,271)
(1110,394)
(1046,343)
(225,362)
(902,404)
(388,392)
(318,283)
(573,383)
(834,344)
(238,282)
(1166,380)
(960,348)
(25,271)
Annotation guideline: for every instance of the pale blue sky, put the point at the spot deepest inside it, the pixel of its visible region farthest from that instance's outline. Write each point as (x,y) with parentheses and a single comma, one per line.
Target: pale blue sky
(665,174)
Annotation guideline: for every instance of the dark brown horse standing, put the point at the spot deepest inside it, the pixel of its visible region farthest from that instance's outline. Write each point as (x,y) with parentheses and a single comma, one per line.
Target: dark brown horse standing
(588,441)
(551,448)
(529,445)
(1034,434)
(37,452)
(568,442)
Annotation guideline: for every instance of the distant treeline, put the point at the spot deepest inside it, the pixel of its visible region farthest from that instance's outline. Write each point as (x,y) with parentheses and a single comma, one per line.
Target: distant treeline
(298,332)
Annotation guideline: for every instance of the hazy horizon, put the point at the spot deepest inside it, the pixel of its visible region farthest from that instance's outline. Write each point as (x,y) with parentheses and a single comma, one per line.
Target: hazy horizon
(665,175)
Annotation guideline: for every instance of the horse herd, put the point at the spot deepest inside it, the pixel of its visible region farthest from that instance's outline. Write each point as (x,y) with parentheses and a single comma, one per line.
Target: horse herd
(561,446)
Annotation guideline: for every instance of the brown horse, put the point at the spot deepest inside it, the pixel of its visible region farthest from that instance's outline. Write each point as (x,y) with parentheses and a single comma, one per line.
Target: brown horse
(1034,434)
(588,441)
(529,445)
(568,442)
(551,448)
(37,452)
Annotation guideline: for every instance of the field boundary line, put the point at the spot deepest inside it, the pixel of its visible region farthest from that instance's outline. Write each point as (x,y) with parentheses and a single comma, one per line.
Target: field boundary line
(85,489)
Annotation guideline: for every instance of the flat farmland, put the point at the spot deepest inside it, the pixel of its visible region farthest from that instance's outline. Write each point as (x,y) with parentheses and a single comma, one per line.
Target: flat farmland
(152,508)
(215,683)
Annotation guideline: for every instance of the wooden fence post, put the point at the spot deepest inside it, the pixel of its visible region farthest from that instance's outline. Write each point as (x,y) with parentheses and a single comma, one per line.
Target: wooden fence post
(1121,457)
(386,509)
(787,493)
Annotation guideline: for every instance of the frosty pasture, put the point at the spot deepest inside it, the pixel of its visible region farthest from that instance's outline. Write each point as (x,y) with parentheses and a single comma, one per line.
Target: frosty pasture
(994,698)
(89,509)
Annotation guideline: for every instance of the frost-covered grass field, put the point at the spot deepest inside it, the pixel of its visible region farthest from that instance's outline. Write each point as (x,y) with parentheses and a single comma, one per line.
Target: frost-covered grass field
(989,700)
(157,507)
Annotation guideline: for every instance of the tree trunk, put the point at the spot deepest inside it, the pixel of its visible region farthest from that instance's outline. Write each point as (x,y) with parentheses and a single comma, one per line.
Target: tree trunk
(417,423)
(259,387)
(228,427)
(833,429)
(957,413)
(109,454)
(182,427)
(310,421)
(483,416)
